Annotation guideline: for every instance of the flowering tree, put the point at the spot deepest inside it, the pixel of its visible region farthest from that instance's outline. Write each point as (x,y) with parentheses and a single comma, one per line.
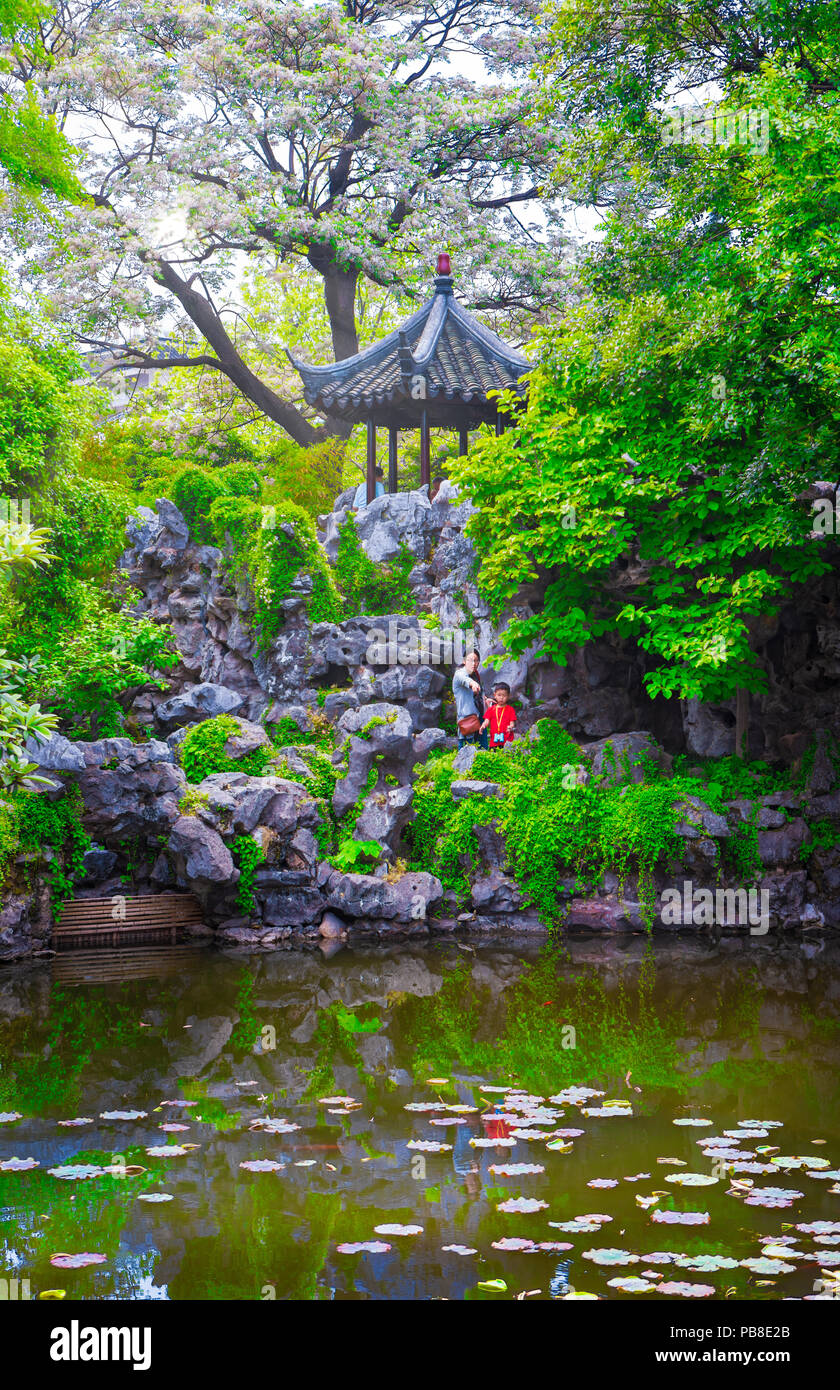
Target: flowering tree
(354,139)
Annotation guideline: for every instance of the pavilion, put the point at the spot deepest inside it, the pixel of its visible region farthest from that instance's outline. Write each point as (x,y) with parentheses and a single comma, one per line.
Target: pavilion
(433,372)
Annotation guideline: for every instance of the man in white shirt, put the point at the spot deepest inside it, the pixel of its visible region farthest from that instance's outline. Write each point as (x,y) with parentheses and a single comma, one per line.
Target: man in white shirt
(360,495)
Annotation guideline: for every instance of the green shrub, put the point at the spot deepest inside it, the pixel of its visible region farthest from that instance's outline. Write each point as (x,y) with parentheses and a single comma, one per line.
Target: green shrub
(553,826)
(367,587)
(31,824)
(279,552)
(194,490)
(203,751)
(237,517)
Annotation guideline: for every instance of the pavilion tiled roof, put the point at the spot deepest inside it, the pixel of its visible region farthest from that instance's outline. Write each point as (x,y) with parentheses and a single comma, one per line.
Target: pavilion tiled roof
(441,359)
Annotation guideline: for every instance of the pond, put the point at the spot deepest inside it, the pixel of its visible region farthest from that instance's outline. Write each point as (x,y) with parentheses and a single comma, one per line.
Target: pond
(623,1119)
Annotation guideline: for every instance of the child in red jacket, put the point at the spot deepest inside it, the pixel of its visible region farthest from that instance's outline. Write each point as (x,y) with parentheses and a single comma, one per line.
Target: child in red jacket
(501,718)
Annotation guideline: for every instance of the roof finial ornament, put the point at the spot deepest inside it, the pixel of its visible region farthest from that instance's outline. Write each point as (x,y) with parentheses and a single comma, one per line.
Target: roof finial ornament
(444,265)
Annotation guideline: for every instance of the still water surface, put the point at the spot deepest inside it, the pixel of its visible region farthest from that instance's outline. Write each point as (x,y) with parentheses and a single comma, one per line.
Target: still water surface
(250,1046)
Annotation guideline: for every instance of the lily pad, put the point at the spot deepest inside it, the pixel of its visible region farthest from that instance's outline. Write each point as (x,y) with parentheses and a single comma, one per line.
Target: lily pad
(681,1290)
(18,1165)
(691,1179)
(522,1205)
(609,1255)
(64,1261)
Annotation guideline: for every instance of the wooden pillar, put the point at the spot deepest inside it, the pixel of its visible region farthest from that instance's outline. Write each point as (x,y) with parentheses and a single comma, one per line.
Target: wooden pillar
(371,460)
(463,441)
(392,460)
(501,425)
(425,450)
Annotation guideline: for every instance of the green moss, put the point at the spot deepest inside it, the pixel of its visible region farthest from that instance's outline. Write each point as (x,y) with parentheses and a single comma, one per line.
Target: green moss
(203,751)
(192,802)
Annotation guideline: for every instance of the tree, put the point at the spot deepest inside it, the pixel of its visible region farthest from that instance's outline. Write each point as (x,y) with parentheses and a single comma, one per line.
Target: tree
(346,139)
(33,153)
(682,410)
(20,547)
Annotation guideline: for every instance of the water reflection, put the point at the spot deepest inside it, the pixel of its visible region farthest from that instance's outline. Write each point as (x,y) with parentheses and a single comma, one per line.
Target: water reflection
(679,1030)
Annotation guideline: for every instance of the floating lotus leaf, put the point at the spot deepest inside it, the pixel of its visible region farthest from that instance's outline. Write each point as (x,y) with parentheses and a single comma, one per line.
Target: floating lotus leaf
(680,1218)
(795,1161)
(173,1129)
(611,1256)
(493,1143)
(630,1284)
(819,1228)
(573,1094)
(577,1227)
(72,1124)
(460,1249)
(522,1204)
(705,1264)
(155,1197)
(398,1230)
(691,1179)
(76,1172)
(515,1170)
(695,1120)
(123,1115)
(761,1265)
(18,1165)
(513,1243)
(169,1150)
(602,1182)
(680,1290)
(261,1165)
(64,1261)
(428,1146)
(607,1112)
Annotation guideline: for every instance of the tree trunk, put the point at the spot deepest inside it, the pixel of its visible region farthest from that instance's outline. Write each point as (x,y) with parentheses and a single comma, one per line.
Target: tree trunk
(210,326)
(340,298)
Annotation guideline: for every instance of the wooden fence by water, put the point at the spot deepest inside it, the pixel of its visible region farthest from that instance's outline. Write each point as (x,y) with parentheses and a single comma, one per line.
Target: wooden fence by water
(93,922)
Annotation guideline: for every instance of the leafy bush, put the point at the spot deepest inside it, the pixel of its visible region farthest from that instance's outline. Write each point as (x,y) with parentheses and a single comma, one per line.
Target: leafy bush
(106,655)
(203,751)
(554,826)
(194,490)
(351,855)
(30,823)
(279,552)
(367,587)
